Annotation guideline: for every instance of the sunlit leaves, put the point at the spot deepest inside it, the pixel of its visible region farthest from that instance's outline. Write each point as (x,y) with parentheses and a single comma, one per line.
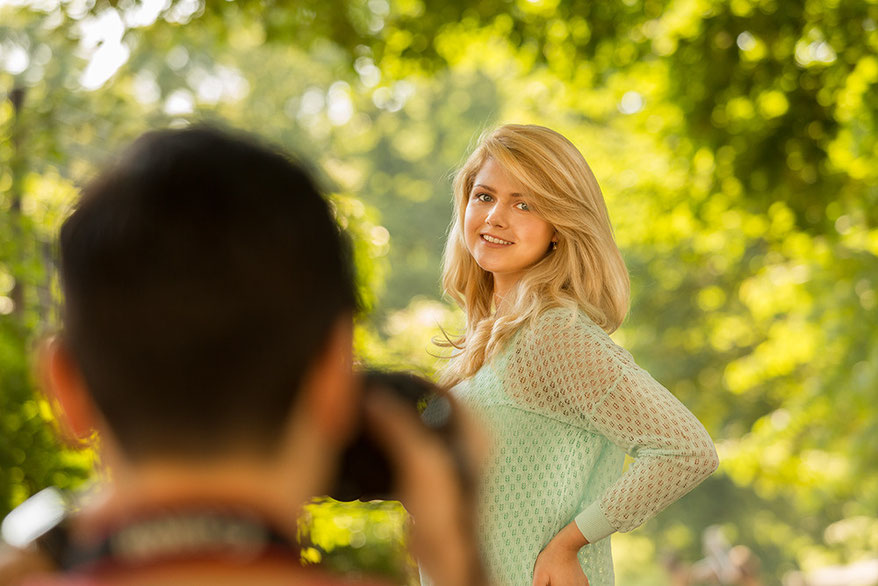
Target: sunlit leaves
(734,140)
(358,537)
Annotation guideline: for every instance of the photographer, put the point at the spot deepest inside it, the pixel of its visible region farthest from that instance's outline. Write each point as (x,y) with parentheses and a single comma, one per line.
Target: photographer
(207,332)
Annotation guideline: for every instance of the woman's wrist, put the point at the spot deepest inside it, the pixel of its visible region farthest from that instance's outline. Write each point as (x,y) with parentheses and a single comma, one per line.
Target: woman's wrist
(568,540)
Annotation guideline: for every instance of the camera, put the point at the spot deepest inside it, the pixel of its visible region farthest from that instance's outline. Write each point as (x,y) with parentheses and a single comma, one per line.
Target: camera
(365,472)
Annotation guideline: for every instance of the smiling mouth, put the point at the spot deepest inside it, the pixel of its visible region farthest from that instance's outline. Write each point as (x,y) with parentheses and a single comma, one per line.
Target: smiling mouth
(493,240)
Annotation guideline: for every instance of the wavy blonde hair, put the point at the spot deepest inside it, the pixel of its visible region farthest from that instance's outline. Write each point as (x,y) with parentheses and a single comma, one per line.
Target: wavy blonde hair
(585,271)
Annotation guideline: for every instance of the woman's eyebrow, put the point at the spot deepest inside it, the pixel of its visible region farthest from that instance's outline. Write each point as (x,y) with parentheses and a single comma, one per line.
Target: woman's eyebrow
(492,190)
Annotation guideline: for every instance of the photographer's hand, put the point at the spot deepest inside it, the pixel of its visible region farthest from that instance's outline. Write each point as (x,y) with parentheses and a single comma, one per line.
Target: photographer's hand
(18,564)
(443,536)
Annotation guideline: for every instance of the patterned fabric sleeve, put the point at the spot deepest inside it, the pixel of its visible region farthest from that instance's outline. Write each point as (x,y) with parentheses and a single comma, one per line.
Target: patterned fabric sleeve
(568,367)
(672,451)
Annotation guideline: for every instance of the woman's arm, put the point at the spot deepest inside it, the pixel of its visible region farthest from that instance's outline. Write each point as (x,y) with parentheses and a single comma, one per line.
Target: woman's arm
(567,366)
(672,452)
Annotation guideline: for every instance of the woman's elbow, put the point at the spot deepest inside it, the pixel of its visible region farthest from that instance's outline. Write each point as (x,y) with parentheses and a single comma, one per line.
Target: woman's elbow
(708,459)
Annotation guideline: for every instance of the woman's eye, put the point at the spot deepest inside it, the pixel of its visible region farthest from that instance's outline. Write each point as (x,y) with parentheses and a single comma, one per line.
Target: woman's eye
(523,206)
(483,197)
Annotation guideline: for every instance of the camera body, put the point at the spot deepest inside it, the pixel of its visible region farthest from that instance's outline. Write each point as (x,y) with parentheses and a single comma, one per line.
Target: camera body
(365,472)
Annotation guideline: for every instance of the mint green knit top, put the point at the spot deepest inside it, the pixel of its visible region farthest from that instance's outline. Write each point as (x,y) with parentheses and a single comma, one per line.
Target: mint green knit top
(563,404)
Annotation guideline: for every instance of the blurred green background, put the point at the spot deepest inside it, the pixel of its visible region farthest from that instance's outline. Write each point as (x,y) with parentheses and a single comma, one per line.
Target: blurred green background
(736,144)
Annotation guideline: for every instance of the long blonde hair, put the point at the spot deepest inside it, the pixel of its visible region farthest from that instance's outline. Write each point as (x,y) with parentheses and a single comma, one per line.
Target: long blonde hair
(585,271)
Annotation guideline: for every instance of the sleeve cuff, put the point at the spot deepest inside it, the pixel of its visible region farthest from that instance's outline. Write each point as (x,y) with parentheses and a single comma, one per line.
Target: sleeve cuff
(593,523)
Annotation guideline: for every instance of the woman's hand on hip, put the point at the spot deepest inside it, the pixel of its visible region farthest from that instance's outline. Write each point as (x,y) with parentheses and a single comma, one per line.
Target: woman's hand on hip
(557,564)
(558,568)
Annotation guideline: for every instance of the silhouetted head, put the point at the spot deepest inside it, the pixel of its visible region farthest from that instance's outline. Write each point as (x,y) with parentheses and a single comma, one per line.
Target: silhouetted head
(202,274)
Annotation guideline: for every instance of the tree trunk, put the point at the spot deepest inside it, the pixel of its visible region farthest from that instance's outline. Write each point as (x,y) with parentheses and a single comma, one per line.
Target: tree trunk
(16,168)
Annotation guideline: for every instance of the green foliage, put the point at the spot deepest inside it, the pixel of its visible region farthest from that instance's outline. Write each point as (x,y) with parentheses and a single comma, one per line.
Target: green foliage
(358,537)
(735,141)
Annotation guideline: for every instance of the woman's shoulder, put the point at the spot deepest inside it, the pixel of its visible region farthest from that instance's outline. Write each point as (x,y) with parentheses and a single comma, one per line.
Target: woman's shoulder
(560,330)
(562,348)
(565,320)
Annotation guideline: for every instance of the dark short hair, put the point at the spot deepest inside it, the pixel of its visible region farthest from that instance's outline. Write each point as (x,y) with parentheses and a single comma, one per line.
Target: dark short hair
(202,274)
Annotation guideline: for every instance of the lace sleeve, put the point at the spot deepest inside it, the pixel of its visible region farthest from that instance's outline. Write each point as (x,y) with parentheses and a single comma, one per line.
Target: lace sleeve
(569,368)
(672,451)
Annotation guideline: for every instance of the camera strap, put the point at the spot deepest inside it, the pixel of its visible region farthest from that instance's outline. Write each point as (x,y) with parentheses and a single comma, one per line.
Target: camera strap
(182,535)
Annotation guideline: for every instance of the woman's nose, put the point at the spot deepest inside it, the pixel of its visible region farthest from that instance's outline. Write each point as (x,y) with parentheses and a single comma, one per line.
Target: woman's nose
(495,217)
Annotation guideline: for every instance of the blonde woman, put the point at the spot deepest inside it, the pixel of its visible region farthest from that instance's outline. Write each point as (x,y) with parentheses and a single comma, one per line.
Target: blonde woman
(532,261)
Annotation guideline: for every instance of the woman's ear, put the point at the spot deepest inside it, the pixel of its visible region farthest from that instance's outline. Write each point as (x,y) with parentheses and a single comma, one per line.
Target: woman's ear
(65,388)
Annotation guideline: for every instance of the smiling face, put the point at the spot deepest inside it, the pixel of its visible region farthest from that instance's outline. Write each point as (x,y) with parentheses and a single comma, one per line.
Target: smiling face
(503,235)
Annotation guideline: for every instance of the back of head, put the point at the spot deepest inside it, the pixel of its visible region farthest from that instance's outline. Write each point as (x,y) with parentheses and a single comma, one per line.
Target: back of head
(202,274)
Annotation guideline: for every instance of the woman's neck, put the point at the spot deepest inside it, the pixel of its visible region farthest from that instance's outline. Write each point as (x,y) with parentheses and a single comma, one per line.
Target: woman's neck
(502,287)
(500,304)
